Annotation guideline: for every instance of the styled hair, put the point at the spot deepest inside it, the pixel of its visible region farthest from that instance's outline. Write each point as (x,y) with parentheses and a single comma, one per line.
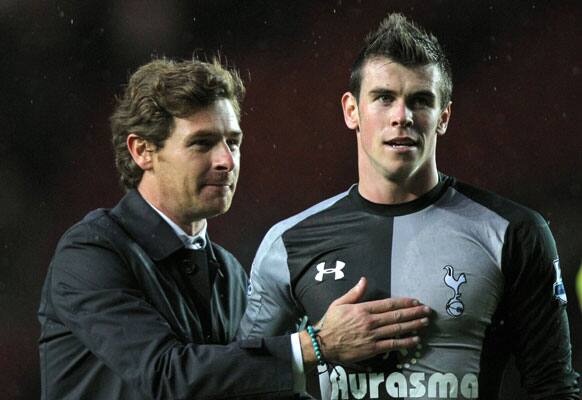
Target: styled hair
(161,90)
(406,43)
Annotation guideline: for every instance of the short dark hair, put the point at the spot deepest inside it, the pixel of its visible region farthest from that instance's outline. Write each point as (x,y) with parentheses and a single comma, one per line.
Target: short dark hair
(406,43)
(161,90)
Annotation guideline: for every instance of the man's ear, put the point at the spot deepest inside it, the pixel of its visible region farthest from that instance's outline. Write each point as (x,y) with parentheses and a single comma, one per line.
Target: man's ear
(350,109)
(141,151)
(444,119)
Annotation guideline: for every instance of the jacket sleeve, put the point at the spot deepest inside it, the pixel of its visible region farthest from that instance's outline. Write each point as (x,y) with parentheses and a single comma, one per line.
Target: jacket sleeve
(95,295)
(271,307)
(536,316)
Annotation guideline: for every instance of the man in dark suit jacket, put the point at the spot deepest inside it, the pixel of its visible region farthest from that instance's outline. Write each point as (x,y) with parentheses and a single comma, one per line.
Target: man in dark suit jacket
(138,303)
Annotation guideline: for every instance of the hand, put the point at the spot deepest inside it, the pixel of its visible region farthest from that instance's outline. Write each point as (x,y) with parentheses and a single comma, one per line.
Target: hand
(351,332)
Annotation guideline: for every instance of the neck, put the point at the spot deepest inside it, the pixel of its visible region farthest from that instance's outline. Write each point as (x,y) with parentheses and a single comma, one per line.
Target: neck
(196,227)
(189,226)
(396,190)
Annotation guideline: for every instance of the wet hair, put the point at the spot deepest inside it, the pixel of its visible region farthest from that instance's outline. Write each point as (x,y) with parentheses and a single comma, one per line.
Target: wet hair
(161,90)
(406,43)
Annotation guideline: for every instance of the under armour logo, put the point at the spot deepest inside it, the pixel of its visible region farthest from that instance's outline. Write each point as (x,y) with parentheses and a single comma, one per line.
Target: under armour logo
(337,271)
(455,306)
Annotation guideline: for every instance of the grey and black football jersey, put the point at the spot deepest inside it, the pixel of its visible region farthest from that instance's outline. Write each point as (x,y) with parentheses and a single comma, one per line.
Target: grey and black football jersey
(486,266)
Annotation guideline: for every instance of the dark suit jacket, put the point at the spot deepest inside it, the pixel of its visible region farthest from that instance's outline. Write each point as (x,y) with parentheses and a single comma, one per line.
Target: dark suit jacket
(117,324)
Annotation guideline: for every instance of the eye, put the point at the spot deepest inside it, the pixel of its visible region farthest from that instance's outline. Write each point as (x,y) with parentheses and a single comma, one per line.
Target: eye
(233,144)
(202,143)
(422,102)
(385,98)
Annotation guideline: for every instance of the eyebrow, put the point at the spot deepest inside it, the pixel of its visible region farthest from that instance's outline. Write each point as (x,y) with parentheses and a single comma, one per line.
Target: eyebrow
(425,93)
(209,133)
(379,91)
(422,93)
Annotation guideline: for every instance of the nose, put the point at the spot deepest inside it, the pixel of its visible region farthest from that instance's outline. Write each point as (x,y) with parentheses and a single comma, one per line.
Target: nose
(223,157)
(401,115)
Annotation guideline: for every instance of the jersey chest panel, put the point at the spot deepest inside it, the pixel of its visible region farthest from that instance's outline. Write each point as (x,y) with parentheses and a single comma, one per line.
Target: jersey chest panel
(447,255)
(325,266)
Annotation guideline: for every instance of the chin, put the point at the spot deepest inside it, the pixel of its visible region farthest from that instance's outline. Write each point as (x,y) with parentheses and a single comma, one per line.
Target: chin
(397,175)
(218,209)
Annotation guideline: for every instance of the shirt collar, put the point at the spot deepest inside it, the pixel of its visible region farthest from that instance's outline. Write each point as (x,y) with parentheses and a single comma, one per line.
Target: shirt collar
(195,242)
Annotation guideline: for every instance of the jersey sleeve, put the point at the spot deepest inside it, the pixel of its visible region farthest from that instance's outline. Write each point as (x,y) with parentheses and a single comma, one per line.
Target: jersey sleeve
(536,311)
(271,309)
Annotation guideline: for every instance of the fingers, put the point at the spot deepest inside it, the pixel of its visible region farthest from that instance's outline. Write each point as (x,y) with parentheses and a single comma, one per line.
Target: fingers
(395,330)
(389,304)
(353,295)
(401,315)
(386,345)
(355,331)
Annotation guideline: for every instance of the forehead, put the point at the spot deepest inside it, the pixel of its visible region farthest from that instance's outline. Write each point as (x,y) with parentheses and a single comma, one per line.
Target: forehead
(385,73)
(218,117)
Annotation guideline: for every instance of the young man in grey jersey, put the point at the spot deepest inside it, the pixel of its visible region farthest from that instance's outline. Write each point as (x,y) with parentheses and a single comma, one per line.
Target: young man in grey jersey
(488,267)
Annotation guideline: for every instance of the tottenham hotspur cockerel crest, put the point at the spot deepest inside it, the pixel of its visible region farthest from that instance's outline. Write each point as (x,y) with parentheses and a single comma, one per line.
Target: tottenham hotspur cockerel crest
(455,306)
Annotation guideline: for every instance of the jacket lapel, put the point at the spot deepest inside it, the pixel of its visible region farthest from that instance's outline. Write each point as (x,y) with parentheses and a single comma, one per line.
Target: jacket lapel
(146,226)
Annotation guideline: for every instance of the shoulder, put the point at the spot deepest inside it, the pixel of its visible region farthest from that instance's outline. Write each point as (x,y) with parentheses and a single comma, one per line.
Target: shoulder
(528,243)
(97,245)
(91,254)
(96,227)
(272,251)
(517,215)
(288,224)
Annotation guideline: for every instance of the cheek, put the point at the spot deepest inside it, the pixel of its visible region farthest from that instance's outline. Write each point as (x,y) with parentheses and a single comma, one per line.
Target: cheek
(428,121)
(373,116)
(372,123)
(366,145)
(197,166)
(367,141)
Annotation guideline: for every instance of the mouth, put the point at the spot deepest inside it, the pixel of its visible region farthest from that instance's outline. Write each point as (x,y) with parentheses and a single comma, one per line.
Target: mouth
(401,143)
(219,185)
(221,181)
